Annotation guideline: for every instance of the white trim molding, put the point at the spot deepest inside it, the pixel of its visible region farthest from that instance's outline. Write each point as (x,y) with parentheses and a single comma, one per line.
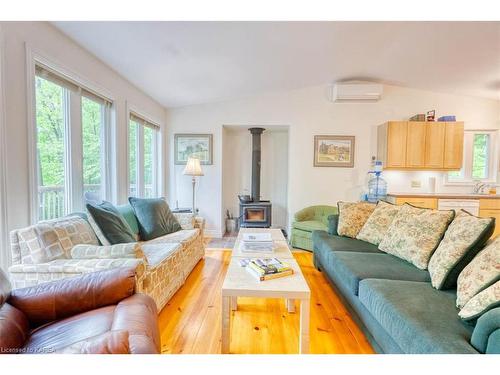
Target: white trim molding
(4,252)
(73,142)
(159,176)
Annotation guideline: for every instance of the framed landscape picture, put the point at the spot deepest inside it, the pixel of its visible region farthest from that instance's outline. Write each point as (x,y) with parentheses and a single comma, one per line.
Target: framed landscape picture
(334,151)
(197,145)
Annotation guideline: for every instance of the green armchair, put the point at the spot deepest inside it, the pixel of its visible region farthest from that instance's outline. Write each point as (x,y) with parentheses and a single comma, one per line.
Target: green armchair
(307,220)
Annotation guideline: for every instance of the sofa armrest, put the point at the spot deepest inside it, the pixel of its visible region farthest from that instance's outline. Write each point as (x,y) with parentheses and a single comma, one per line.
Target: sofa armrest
(111,342)
(333,221)
(67,297)
(199,222)
(486,335)
(185,219)
(122,250)
(304,214)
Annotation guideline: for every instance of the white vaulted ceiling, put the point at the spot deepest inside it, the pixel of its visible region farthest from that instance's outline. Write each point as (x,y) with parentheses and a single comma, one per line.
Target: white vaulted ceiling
(183,63)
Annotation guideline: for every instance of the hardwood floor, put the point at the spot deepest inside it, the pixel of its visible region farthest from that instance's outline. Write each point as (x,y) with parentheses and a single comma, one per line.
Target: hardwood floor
(190,323)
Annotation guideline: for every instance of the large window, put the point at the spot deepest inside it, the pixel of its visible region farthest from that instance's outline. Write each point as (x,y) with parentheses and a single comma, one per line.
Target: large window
(71,129)
(480,158)
(143,158)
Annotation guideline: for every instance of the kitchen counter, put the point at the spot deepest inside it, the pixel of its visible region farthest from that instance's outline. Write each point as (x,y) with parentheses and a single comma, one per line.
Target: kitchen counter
(444,195)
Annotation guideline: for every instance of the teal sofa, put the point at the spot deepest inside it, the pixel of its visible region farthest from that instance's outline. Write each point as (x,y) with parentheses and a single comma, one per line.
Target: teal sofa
(306,221)
(394,302)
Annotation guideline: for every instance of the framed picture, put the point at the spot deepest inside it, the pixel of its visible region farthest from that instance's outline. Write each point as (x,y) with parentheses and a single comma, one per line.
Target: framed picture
(197,145)
(334,151)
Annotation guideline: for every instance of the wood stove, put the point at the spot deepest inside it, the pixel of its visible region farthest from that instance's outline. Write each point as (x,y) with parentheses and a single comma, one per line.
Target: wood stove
(255,213)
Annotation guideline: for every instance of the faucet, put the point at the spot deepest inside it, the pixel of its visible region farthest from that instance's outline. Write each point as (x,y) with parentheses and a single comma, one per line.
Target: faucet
(478,187)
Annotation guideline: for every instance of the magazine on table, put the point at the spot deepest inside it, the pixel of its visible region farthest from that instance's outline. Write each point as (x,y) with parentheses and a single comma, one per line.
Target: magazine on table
(266,268)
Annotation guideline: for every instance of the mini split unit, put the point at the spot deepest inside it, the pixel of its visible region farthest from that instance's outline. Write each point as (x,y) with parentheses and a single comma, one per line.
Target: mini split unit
(358,92)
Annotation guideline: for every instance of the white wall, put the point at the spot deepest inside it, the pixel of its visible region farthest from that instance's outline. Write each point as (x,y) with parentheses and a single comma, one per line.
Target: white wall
(237,169)
(45,40)
(308,112)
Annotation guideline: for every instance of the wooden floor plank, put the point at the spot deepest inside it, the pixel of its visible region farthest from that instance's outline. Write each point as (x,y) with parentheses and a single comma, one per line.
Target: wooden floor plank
(191,321)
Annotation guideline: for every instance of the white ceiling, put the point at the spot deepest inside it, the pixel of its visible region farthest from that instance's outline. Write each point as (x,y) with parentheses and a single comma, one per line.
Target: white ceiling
(183,63)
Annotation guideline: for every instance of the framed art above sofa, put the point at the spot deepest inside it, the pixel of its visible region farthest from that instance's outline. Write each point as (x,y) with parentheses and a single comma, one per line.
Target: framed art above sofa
(193,145)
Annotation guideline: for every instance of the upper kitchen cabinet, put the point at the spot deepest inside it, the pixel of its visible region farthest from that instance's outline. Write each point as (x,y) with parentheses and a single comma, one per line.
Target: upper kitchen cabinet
(408,145)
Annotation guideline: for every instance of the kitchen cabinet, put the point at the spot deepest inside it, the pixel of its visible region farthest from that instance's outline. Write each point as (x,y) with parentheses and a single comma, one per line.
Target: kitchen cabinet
(453,145)
(491,208)
(418,202)
(408,145)
(415,145)
(434,142)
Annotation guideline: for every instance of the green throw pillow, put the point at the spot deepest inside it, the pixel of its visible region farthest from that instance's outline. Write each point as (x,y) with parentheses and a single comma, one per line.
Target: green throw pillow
(111,223)
(154,216)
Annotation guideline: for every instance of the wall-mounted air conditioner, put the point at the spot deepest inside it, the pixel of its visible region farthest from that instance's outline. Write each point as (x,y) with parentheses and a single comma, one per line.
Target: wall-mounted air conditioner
(346,92)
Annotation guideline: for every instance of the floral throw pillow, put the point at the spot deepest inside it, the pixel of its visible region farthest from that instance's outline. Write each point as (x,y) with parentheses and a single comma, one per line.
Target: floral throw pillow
(463,239)
(378,223)
(415,233)
(482,272)
(481,302)
(352,217)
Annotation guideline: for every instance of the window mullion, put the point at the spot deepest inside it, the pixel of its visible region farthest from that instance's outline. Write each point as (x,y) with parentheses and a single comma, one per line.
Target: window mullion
(75,146)
(140,161)
(67,151)
(105,152)
(154,162)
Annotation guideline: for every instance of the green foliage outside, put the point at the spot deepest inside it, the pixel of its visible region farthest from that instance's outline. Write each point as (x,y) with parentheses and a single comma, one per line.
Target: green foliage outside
(480,156)
(91,133)
(480,153)
(50,102)
(50,132)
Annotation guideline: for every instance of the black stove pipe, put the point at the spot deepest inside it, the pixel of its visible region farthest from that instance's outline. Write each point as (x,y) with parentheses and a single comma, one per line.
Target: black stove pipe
(256,155)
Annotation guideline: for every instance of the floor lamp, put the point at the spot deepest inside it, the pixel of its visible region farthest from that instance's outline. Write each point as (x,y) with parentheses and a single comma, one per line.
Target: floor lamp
(193,168)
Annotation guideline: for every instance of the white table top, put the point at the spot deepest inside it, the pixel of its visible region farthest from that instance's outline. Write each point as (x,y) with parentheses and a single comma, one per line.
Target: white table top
(282,251)
(240,283)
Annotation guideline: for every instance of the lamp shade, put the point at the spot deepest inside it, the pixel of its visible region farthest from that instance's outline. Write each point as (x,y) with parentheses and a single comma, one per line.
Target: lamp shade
(193,167)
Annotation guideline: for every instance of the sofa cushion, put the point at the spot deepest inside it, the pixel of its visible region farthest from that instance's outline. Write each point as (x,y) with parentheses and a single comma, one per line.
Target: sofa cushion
(50,240)
(323,241)
(415,233)
(154,217)
(463,239)
(111,223)
(182,236)
(309,225)
(418,317)
(156,253)
(352,267)
(482,302)
(128,214)
(352,217)
(480,273)
(378,223)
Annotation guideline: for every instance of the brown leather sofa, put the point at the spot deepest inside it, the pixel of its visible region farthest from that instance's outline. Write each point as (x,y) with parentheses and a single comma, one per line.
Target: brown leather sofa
(93,313)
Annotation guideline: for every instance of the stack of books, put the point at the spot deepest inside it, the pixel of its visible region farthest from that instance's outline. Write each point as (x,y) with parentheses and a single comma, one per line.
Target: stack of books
(266,268)
(257,242)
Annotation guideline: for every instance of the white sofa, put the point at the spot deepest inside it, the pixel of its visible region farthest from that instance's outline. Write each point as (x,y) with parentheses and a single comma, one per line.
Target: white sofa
(68,247)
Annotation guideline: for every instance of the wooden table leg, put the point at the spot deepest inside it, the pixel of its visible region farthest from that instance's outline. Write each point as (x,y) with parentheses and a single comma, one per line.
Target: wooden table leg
(234,303)
(304,327)
(290,305)
(226,316)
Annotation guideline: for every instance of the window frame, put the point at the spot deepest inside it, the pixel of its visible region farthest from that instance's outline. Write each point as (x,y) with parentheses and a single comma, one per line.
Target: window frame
(141,122)
(73,133)
(493,159)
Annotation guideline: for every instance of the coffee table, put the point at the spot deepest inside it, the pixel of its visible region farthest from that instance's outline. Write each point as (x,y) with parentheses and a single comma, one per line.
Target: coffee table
(239,283)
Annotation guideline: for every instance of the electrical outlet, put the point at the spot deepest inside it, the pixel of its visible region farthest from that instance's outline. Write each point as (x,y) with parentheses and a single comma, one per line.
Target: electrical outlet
(416,183)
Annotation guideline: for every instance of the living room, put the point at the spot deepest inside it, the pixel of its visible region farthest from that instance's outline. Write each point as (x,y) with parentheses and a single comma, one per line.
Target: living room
(250,186)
